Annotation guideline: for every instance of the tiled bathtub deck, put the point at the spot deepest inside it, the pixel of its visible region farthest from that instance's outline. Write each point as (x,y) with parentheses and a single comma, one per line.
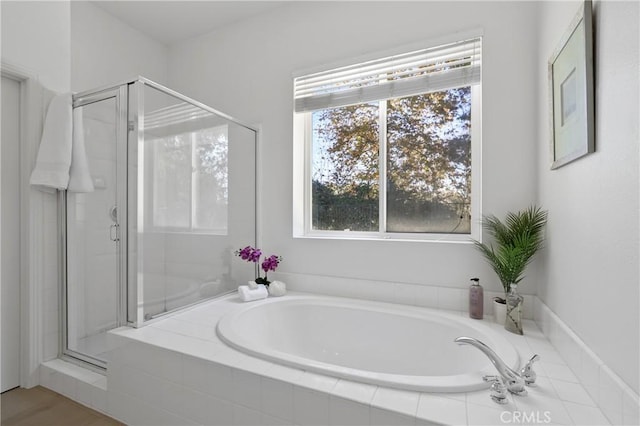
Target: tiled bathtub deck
(177,371)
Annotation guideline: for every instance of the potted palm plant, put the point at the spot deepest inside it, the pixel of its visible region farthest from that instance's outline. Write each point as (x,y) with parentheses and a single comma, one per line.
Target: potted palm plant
(516,239)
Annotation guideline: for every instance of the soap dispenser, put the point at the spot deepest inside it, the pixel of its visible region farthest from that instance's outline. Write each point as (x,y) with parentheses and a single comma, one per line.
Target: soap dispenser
(476,299)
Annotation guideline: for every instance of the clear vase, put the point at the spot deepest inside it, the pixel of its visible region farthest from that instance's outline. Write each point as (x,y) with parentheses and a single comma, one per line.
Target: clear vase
(513,322)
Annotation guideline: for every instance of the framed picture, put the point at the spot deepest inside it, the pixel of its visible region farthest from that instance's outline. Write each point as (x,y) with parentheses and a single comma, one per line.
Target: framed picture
(571,90)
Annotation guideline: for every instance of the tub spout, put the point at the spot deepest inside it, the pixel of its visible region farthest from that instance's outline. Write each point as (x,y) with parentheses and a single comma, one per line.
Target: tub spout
(512,380)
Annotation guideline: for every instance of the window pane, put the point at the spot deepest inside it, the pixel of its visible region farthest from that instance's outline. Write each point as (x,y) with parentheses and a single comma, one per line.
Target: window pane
(429,162)
(345,168)
(172,181)
(211,179)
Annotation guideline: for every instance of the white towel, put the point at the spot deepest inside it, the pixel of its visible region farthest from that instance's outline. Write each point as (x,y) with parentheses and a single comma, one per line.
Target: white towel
(79,177)
(62,160)
(54,156)
(248,295)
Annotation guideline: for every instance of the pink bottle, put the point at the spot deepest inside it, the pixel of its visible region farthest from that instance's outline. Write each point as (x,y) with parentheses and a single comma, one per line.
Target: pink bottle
(476,299)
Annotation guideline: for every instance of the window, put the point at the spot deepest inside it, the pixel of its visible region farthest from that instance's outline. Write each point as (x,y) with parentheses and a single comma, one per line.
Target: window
(388,146)
(190,181)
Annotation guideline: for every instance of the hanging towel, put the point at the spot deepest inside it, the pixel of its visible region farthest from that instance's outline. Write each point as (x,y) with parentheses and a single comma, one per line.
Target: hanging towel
(54,156)
(62,150)
(79,177)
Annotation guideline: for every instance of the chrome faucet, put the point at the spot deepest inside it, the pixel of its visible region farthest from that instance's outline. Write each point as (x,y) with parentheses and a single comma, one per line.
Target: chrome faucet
(515,382)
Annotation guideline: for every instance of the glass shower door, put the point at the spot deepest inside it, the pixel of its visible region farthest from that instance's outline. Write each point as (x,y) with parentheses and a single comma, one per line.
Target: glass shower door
(93,228)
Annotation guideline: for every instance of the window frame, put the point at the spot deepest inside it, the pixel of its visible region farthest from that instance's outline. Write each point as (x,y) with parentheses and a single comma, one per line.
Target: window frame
(303,135)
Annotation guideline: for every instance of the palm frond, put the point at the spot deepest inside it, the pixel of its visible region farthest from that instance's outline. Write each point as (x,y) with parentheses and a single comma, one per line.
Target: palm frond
(517,239)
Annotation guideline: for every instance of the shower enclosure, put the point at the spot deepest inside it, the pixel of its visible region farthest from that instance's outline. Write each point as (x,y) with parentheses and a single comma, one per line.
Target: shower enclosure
(174,195)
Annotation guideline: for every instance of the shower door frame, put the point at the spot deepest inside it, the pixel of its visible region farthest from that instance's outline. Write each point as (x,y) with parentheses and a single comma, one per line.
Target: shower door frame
(120,93)
(130,131)
(134,292)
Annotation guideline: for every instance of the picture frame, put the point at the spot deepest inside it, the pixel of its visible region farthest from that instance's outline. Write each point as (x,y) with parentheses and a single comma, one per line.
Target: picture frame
(571,92)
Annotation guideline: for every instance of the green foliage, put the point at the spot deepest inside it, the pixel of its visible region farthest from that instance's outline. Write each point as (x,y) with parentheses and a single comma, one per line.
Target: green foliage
(517,239)
(428,168)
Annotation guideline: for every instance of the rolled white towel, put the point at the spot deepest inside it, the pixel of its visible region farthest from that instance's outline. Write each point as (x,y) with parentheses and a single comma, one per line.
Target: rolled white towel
(277,288)
(248,295)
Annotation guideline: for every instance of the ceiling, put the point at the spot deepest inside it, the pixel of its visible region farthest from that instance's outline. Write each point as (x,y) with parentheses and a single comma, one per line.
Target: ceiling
(173,21)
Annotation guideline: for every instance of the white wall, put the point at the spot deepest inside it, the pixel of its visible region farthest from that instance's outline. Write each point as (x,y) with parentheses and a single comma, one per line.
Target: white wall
(590,266)
(35,36)
(36,40)
(105,50)
(246,70)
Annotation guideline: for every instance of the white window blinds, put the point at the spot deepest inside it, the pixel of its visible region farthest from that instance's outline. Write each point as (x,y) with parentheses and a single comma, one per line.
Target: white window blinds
(423,71)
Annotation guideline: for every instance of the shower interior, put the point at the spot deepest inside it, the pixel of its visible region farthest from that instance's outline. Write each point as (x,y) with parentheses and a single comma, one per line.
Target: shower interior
(174,195)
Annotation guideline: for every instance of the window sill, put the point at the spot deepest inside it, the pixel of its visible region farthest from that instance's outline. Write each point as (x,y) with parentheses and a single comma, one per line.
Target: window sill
(375,236)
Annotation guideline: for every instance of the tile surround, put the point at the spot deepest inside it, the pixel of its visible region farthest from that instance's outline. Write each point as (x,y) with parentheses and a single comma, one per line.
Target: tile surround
(600,387)
(151,382)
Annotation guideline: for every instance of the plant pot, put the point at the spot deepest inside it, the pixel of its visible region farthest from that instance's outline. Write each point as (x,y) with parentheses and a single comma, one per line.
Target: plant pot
(499,312)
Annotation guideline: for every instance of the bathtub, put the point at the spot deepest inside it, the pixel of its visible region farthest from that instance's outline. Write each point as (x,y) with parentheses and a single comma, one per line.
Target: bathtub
(383,344)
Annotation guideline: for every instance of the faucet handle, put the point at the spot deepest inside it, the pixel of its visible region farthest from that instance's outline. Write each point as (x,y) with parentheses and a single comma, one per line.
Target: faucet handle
(527,372)
(498,389)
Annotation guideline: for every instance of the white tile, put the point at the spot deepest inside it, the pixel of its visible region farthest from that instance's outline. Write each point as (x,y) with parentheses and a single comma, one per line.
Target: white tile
(65,385)
(204,332)
(573,392)
(417,295)
(243,416)
(542,347)
(483,397)
(221,381)
(121,407)
(154,360)
(173,398)
(207,410)
(458,396)
(380,417)
(354,391)
(274,421)
(344,412)
(194,405)
(558,371)
(277,398)
(544,406)
(84,393)
(310,407)
(284,373)
(527,306)
(246,389)
(451,299)
(543,387)
(585,415)
(590,373)
(317,382)
(488,415)
(441,410)
(221,413)
(610,396)
(46,376)
(99,399)
(400,401)
(630,408)
(197,374)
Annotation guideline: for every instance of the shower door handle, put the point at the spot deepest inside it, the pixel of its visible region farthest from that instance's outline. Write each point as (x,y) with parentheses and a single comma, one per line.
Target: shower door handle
(114,232)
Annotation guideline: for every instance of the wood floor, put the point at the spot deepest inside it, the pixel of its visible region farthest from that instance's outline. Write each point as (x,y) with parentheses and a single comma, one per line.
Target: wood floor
(39,406)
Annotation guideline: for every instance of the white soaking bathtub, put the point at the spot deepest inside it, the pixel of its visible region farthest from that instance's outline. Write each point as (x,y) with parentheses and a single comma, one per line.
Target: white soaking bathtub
(397,346)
